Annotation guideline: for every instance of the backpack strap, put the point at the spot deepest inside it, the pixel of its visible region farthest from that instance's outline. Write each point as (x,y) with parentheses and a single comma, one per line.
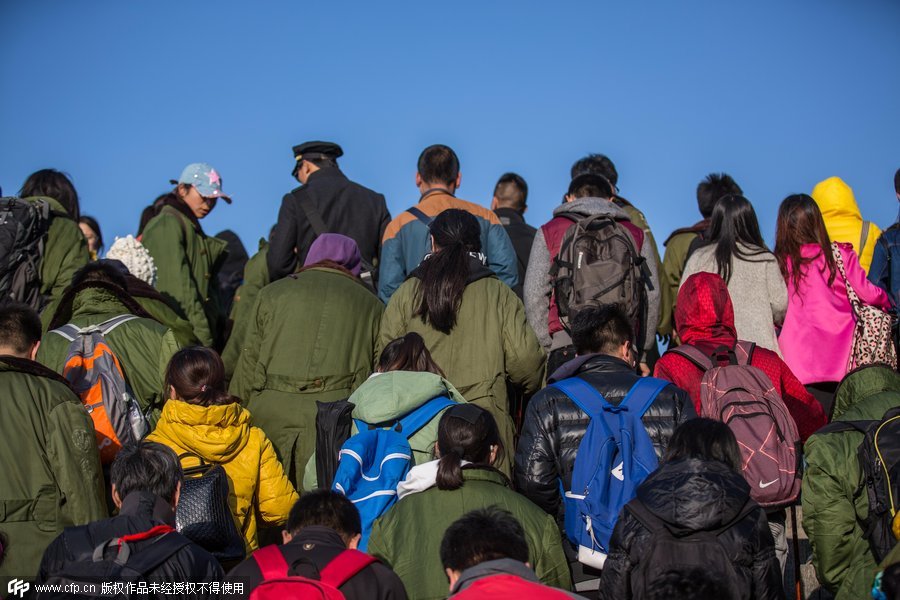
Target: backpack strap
(106,326)
(583,394)
(645,516)
(71,331)
(271,562)
(421,216)
(166,544)
(864,236)
(842,426)
(695,355)
(344,566)
(744,352)
(643,393)
(420,417)
(314,218)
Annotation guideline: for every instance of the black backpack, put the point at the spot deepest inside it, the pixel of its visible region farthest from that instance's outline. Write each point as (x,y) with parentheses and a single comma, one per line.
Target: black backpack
(599,263)
(23,229)
(94,568)
(879,462)
(668,551)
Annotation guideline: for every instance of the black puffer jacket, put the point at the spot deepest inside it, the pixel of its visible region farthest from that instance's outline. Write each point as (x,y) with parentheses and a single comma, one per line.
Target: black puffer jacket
(697,495)
(554,425)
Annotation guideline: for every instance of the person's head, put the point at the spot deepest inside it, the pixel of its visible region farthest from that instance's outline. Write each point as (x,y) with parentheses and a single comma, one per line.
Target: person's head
(596,164)
(589,186)
(604,330)
(90,228)
(705,439)
(324,508)
(438,167)
(704,313)
(53,184)
(713,187)
(20,330)
(733,224)
(890,582)
(897,183)
(443,276)
(800,222)
(196,375)
(465,432)
(310,157)
(407,353)
(200,187)
(480,536)
(136,259)
(146,467)
(153,209)
(337,249)
(511,191)
(689,583)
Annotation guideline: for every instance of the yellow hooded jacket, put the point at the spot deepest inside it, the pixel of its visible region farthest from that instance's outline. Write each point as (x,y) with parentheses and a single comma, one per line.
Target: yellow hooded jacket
(223,435)
(843,219)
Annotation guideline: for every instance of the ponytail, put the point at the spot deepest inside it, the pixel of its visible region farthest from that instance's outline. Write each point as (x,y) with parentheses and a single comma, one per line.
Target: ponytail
(198,377)
(449,473)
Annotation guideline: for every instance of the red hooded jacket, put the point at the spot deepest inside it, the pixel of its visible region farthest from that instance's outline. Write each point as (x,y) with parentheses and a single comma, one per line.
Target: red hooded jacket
(704,317)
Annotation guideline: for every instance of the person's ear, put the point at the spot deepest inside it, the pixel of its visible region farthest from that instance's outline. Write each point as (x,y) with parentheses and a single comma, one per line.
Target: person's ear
(177,495)
(286,536)
(117,500)
(433,246)
(458,181)
(569,197)
(452,576)
(172,392)
(354,542)
(494,203)
(494,450)
(418,180)
(437,450)
(626,352)
(32,354)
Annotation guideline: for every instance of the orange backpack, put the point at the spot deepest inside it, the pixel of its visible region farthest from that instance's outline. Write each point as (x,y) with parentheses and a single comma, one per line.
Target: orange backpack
(96,375)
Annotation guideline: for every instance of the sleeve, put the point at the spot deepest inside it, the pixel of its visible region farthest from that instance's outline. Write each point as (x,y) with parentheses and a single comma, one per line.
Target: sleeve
(535,470)
(616,575)
(74,255)
(551,565)
(384,222)
(392,271)
(538,289)
(281,257)
(879,271)
(525,360)
(276,496)
(75,463)
(806,410)
(767,577)
(501,255)
(648,251)
(868,292)
(167,349)
(829,516)
(778,294)
(242,380)
(394,318)
(672,268)
(379,544)
(164,238)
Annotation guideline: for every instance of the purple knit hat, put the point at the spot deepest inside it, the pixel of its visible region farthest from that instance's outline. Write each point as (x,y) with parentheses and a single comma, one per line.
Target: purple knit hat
(335,247)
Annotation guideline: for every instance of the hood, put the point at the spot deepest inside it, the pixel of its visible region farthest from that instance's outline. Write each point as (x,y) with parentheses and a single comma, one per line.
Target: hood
(502,566)
(388,396)
(216,433)
(861,384)
(96,301)
(704,314)
(587,207)
(694,494)
(835,199)
(54,204)
(595,362)
(477,269)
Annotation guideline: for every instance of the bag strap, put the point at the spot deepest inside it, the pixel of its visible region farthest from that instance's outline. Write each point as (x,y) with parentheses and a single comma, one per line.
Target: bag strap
(107,326)
(71,331)
(643,393)
(344,566)
(421,216)
(864,236)
(582,394)
(314,218)
(842,426)
(695,355)
(420,417)
(851,293)
(153,555)
(271,562)
(745,356)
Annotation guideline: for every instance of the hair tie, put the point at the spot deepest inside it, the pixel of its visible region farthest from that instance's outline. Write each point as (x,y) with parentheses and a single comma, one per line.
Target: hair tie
(458,450)
(203,388)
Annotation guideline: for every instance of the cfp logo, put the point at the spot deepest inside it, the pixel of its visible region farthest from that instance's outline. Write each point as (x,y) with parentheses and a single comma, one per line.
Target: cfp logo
(17,587)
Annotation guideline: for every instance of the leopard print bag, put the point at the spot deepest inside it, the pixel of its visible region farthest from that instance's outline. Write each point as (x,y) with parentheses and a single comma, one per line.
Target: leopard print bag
(873,339)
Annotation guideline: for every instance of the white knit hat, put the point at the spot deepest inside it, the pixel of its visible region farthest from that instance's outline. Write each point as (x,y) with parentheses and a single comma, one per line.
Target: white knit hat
(135,257)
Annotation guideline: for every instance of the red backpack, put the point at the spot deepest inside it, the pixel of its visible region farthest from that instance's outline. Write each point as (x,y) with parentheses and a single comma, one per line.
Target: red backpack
(744,398)
(278,584)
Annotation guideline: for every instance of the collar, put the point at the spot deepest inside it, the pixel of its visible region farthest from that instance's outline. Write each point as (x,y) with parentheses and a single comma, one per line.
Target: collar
(501,566)
(434,192)
(508,216)
(317,534)
(149,505)
(590,362)
(173,201)
(325,173)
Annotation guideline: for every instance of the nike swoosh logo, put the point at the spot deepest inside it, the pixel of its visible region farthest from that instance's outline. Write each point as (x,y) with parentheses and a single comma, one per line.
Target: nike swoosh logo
(765,485)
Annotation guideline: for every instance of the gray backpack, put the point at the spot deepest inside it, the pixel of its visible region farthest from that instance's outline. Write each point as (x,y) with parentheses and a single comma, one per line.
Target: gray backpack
(599,263)
(23,229)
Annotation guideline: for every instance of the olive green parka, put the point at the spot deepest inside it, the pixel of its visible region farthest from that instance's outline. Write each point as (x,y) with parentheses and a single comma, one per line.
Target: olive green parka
(256,277)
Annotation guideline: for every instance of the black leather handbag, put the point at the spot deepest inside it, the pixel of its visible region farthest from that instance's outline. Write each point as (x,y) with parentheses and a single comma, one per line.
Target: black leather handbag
(202,514)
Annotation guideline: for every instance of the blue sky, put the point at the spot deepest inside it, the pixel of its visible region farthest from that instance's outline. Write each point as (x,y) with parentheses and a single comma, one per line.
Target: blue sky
(122,95)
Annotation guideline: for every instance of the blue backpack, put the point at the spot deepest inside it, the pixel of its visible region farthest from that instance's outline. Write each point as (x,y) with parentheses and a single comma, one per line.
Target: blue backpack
(374,461)
(614,457)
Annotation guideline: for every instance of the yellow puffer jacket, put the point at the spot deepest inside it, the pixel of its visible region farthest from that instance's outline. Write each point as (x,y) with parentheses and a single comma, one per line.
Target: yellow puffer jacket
(223,435)
(843,219)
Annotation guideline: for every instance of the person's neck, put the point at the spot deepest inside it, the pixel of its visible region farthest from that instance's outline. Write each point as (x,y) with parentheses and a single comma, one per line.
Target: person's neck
(437,187)
(7,351)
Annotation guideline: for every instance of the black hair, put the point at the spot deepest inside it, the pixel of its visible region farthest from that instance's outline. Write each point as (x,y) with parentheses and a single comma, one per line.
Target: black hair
(897,181)
(713,187)
(445,274)
(95,227)
(596,164)
(323,162)
(146,467)
(198,376)
(465,432)
(438,164)
(325,508)
(734,223)
(600,329)
(511,191)
(590,185)
(706,439)
(408,353)
(103,274)
(53,184)
(481,535)
(20,327)
(693,583)
(151,211)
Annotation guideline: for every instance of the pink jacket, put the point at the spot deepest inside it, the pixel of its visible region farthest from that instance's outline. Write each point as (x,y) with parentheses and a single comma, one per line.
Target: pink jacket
(818,329)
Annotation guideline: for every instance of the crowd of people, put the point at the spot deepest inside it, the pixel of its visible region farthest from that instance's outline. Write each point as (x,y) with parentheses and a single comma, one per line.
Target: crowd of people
(448,402)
